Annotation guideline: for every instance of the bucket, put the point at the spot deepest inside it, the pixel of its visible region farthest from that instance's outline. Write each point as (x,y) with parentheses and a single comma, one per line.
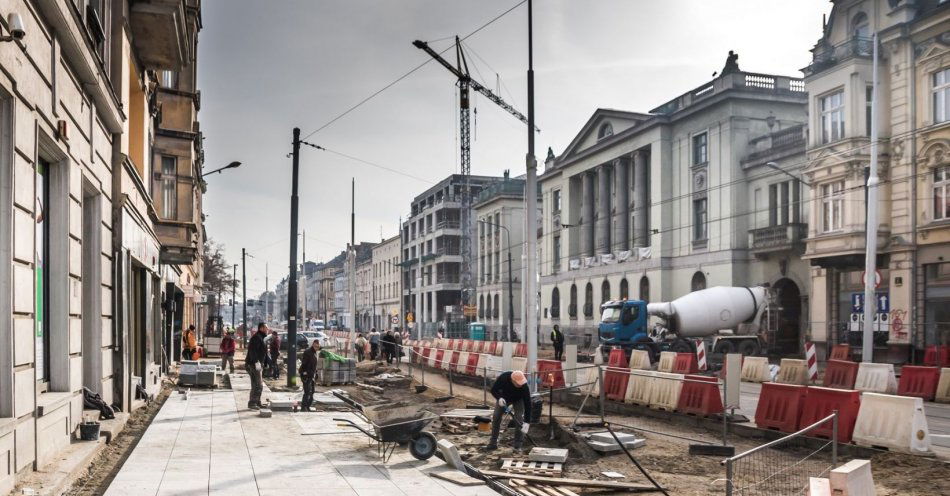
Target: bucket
(89,431)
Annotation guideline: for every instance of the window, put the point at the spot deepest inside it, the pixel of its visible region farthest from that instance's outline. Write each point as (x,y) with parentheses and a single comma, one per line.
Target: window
(41,272)
(699,219)
(495,307)
(169,187)
(168,79)
(832,206)
(555,303)
(605,130)
(942,96)
(605,292)
(942,193)
(868,98)
(700,146)
(624,289)
(556,201)
(832,117)
(698,282)
(645,289)
(589,300)
(556,255)
(572,307)
(860,27)
(481,306)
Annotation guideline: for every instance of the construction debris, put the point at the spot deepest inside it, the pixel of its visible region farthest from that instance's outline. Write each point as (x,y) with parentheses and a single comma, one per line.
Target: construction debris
(459,478)
(605,443)
(557,455)
(557,481)
(463,413)
(613,475)
(375,389)
(265,413)
(539,489)
(517,466)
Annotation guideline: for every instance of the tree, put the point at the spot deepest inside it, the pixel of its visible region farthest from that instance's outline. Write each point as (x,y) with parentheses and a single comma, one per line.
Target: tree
(218,278)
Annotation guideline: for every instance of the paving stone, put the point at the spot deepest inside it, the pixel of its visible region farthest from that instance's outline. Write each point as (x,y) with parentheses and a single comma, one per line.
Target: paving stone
(265,413)
(556,455)
(451,454)
(456,477)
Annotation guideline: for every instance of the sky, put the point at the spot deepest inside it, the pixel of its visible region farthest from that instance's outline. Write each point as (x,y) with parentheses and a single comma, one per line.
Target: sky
(267,67)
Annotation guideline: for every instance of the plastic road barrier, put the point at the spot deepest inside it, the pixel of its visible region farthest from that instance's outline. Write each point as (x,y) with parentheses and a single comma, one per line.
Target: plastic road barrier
(665,364)
(919,381)
(593,381)
(876,378)
(943,387)
(780,406)
(812,359)
(435,358)
(617,359)
(550,373)
(937,356)
(792,371)
(840,374)
(452,363)
(700,396)
(700,354)
(521,349)
(840,352)
(519,363)
(461,365)
(639,359)
(639,387)
(615,383)
(472,365)
(494,364)
(665,394)
(820,402)
(685,363)
(756,369)
(894,422)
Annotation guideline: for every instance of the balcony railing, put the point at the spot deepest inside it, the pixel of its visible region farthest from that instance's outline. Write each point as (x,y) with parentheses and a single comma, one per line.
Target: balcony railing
(774,238)
(451,250)
(827,56)
(448,224)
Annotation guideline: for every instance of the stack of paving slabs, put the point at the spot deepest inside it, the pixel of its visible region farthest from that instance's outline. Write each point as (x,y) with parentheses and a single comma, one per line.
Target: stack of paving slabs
(605,443)
(195,373)
(332,371)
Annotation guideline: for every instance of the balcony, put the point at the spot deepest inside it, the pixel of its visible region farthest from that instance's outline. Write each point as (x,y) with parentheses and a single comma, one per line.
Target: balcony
(777,238)
(825,56)
(448,224)
(448,279)
(159,33)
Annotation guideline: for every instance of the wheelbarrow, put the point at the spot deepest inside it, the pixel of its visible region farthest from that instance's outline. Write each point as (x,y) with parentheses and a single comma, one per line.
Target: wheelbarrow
(397,424)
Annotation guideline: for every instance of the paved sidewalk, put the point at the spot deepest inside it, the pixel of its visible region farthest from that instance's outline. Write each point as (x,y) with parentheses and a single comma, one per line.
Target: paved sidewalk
(205,445)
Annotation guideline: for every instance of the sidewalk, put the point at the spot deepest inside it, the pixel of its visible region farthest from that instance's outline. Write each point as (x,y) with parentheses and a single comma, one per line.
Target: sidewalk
(208,444)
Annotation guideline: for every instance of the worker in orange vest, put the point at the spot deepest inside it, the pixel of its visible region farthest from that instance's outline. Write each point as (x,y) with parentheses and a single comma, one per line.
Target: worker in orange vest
(189,343)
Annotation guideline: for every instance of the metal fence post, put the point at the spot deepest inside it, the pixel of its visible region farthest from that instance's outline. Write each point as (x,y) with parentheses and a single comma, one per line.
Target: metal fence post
(451,393)
(729,477)
(485,385)
(725,415)
(603,391)
(834,440)
(423,375)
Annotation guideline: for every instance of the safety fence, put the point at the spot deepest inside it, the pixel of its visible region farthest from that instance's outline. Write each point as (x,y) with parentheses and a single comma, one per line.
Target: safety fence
(784,465)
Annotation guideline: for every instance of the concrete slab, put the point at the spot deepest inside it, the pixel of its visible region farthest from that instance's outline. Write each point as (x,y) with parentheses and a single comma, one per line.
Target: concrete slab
(458,478)
(556,455)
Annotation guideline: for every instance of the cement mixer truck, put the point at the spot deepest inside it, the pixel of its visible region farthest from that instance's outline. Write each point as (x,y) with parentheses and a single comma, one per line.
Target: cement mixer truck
(727,318)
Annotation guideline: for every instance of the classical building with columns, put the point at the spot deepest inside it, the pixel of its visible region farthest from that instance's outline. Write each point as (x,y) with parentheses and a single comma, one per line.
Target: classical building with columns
(655,205)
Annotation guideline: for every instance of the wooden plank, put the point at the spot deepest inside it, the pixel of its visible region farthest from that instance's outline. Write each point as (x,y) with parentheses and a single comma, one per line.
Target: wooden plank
(570,482)
(457,477)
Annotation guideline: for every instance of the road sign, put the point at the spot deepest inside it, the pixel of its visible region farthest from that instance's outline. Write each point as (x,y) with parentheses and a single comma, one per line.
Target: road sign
(877,278)
(857,302)
(470,310)
(410,318)
(883,303)
(394,320)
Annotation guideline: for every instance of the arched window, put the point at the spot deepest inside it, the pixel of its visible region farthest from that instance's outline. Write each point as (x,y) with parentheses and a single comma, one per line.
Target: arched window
(698,282)
(572,306)
(624,289)
(495,307)
(488,307)
(481,306)
(606,129)
(555,303)
(860,28)
(645,289)
(589,300)
(605,292)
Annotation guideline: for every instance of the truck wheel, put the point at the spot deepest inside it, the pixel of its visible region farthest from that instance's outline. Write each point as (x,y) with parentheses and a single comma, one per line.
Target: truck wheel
(683,346)
(725,347)
(647,344)
(749,348)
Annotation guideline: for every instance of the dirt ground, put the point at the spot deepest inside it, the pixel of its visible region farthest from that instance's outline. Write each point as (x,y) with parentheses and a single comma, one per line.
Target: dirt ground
(664,456)
(106,465)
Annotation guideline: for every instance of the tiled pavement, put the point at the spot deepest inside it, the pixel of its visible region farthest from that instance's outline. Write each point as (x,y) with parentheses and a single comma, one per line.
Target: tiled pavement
(208,444)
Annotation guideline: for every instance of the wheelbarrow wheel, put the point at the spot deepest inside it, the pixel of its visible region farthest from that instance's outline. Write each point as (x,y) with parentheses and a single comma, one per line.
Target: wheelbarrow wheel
(423,446)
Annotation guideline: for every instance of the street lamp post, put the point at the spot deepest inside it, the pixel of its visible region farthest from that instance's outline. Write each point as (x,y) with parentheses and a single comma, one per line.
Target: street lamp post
(529,285)
(292,280)
(244,255)
(511,296)
(232,165)
(234,298)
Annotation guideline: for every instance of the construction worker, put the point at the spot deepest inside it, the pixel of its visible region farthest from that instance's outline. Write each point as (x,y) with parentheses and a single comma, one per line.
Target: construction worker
(189,343)
(557,339)
(373,343)
(512,395)
(274,347)
(360,347)
(254,364)
(308,373)
(227,350)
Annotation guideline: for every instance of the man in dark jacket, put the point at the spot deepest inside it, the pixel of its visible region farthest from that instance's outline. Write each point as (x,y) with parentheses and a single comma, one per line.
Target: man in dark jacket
(557,339)
(389,346)
(274,347)
(511,394)
(227,350)
(308,373)
(254,364)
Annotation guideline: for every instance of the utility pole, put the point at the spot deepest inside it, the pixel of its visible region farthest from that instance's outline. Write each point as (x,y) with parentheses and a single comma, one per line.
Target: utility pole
(352,257)
(303,268)
(531,214)
(870,260)
(244,256)
(266,294)
(292,280)
(234,299)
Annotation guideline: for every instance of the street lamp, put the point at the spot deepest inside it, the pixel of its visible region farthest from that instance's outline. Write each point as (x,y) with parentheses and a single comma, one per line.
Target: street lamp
(511,301)
(232,165)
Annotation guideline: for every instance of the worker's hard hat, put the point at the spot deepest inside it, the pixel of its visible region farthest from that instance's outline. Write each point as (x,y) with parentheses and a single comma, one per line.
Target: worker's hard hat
(518,378)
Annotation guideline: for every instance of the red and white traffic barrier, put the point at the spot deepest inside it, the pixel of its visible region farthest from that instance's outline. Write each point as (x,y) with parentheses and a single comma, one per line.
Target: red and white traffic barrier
(812,361)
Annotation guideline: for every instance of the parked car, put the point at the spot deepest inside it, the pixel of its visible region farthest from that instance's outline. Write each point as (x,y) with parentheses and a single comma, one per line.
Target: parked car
(317,325)
(302,341)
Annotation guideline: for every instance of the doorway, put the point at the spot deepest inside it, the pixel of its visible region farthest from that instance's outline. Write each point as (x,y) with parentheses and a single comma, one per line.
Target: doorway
(787,319)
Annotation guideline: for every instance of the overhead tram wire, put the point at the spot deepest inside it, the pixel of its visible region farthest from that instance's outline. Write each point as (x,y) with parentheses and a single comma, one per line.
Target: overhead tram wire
(407,74)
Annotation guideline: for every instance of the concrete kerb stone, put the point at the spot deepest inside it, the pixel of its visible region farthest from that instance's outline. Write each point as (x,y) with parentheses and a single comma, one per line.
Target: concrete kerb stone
(876,378)
(450,454)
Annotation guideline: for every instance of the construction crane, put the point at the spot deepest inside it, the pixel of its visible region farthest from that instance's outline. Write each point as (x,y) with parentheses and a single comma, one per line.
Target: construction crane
(465,81)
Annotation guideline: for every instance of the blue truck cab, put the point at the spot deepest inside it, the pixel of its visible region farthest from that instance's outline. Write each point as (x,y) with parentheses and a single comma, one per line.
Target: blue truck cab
(623,323)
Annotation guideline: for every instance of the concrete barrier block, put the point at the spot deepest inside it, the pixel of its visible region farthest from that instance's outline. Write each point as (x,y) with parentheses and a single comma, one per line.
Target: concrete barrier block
(640,359)
(665,391)
(876,378)
(894,422)
(667,359)
(639,387)
(756,369)
(943,386)
(792,371)
(853,479)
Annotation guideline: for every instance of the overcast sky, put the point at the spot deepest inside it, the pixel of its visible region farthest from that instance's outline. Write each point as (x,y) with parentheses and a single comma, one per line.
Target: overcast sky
(266,67)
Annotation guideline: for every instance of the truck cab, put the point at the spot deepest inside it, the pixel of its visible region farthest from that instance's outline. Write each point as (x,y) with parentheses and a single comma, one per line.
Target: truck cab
(623,322)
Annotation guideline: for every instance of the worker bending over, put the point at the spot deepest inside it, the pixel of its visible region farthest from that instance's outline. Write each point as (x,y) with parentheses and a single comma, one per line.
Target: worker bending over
(512,394)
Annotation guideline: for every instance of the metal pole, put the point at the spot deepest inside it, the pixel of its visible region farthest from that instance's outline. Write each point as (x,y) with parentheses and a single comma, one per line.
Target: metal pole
(353,262)
(834,440)
(303,268)
(603,392)
(451,392)
(511,296)
(870,260)
(531,213)
(551,407)
(725,416)
(233,300)
(292,279)
(244,289)
(728,477)
(485,385)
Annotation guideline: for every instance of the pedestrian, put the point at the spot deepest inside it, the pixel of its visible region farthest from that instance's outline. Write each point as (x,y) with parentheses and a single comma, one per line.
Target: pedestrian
(189,343)
(513,396)
(439,334)
(397,337)
(254,364)
(308,373)
(557,339)
(360,347)
(389,346)
(274,348)
(227,350)
(373,344)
